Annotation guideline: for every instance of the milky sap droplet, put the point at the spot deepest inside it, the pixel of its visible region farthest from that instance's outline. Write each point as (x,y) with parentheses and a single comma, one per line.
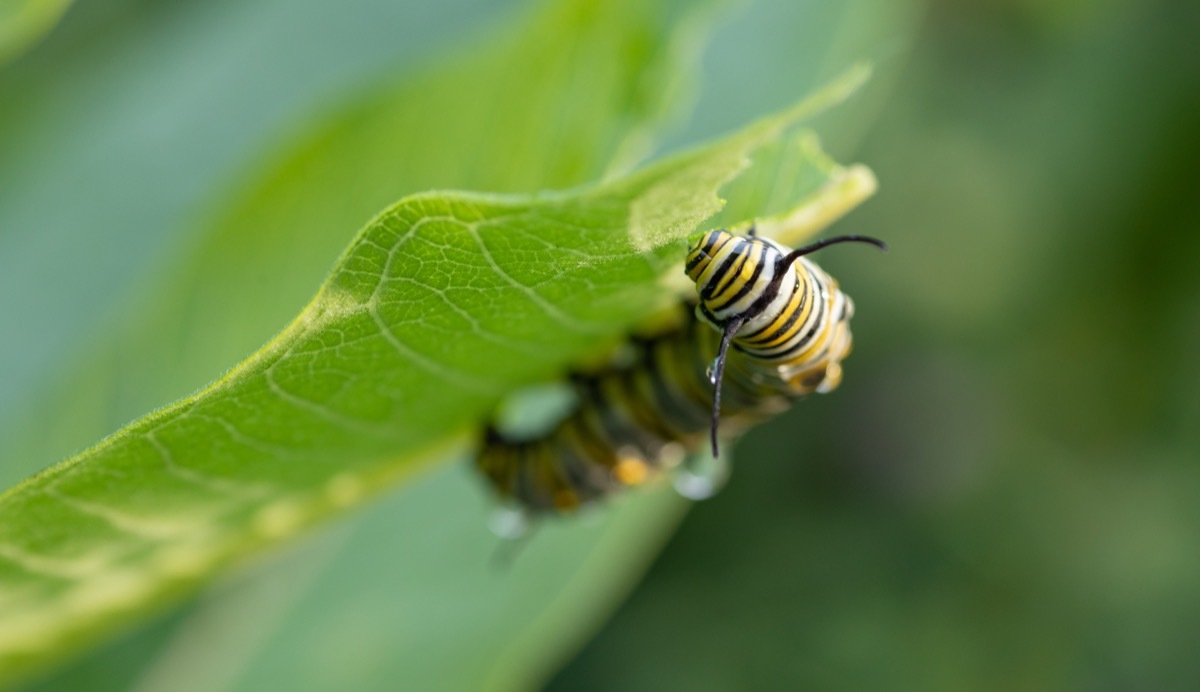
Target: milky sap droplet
(508,523)
(702,475)
(711,372)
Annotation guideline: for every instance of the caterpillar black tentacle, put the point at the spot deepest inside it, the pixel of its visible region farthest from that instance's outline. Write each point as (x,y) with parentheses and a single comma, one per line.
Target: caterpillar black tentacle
(773,327)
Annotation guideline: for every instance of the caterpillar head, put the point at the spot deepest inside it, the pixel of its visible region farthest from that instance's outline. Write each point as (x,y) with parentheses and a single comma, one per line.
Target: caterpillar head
(731,272)
(738,278)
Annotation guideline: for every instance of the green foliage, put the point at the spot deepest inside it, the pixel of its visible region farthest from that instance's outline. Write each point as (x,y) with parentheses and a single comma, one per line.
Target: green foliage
(382,372)
(24,22)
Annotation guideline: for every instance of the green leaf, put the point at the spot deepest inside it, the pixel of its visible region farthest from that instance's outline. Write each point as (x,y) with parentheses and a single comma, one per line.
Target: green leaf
(24,22)
(620,64)
(378,375)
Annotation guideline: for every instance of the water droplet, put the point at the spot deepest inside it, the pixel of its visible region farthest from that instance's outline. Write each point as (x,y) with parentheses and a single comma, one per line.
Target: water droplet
(711,372)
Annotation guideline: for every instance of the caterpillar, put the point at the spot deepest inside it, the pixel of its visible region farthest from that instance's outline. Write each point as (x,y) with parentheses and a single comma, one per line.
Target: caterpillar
(772,328)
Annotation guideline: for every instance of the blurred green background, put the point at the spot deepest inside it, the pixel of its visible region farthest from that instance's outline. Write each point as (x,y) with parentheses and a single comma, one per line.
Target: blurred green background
(1004,494)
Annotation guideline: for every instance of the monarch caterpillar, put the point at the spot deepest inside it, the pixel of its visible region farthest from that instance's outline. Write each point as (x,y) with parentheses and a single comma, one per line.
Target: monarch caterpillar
(788,324)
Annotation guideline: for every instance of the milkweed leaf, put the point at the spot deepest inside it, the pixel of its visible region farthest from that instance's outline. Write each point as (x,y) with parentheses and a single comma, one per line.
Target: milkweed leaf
(378,377)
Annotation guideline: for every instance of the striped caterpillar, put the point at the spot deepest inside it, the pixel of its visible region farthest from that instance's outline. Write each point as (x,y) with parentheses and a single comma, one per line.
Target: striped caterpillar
(773,327)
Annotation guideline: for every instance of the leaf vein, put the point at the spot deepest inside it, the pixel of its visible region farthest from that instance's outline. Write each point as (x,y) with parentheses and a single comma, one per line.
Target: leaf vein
(549,308)
(461,379)
(220,485)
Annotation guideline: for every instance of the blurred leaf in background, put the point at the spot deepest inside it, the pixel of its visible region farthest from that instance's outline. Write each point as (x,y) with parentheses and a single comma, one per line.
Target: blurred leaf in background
(1004,493)
(24,22)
